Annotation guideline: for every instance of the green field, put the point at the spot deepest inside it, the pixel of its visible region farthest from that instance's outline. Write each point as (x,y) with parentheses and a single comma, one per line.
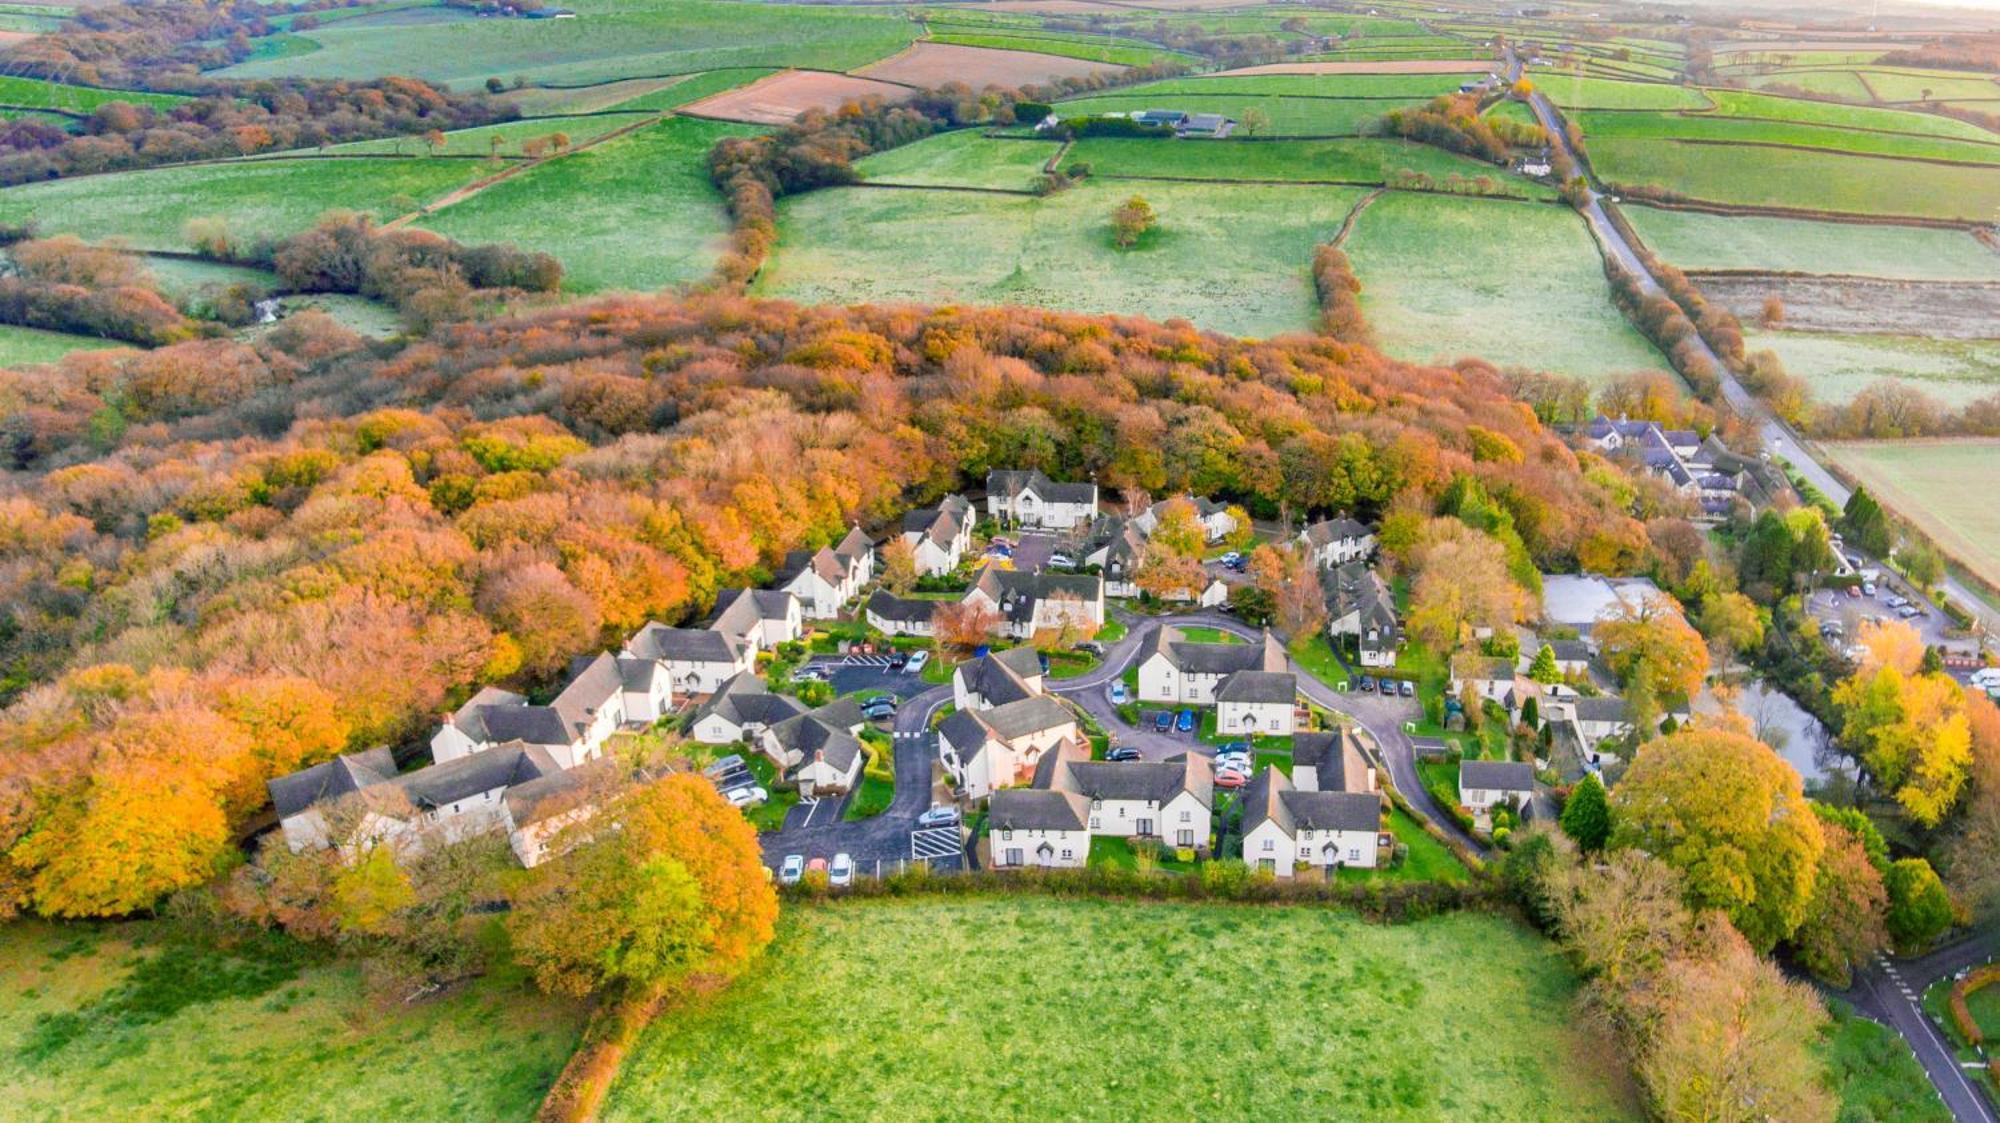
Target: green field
(1743,103)
(21,347)
(118,1022)
(1124,1011)
(1444,277)
(37,94)
(637,212)
(1800,180)
(1954,371)
(1829,83)
(1615,125)
(1874,1073)
(608,39)
(1390,88)
(258,197)
(1697,241)
(1935,484)
(1229,257)
(962,158)
(1295,108)
(1085,47)
(1913,85)
(1573,92)
(1357,161)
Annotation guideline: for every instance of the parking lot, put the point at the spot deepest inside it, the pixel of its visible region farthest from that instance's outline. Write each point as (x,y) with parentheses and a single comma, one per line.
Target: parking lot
(850,674)
(1032,551)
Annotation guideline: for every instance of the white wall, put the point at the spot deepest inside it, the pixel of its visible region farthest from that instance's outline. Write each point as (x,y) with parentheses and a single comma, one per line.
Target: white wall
(1273,718)
(1017,848)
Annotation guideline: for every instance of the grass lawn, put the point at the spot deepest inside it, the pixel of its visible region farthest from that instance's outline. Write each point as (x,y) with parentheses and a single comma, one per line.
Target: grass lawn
(1106,850)
(1069,46)
(638,212)
(1842,84)
(122,1022)
(961,158)
(1197,633)
(769,815)
(1692,240)
(1572,91)
(1954,371)
(1111,632)
(1358,161)
(1746,103)
(1873,1071)
(1298,105)
(1228,258)
(21,346)
(36,93)
(258,198)
(1777,177)
(1426,304)
(608,39)
(1599,126)
(1314,654)
(870,799)
(511,134)
(1933,484)
(1428,859)
(846,989)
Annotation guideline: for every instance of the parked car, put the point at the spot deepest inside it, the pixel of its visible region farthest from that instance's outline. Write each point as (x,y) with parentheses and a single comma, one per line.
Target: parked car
(1232,764)
(842,870)
(1896,602)
(1164,722)
(1118,693)
(1091,647)
(1868,588)
(1185,722)
(1906,611)
(724,766)
(748,796)
(917,661)
(886,705)
(817,865)
(1233,748)
(1231,779)
(1407,688)
(1388,686)
(1062,561)
(1231,558)
(1367,685)
(899,660)
(937,817)
(793,869)
(1122,753)
(810,674)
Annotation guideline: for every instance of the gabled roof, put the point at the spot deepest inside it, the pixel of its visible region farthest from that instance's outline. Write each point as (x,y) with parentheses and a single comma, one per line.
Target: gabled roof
(1335,759)
(471,717)
(963,731)
(941,524)
(499,767)
(559,792)
(1017,593)
(823,563)
(745,700)
(594,682)
(331,779)
(1497,775)
(1212,658)
(1272,798)
(821,734)
(889,606)
(854,544)
(1036,809)
(1602,708)
(684,645)
(534,725)
(1026,717)
(739,610)
(1356,588)
(1002,676)
(1259,687)
(1158,782)
(1013,482)
(1328,531)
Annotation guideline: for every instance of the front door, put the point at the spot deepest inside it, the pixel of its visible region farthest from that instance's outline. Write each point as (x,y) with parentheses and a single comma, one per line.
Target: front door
(1145,828)
(1184,838)
(1012,857)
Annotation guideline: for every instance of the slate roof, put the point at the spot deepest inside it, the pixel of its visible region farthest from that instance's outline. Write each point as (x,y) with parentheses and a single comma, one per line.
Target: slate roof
(745,700)
(941,524)
(1002,676)
(1272,798)
(1211,658)
(1356,588)
(889,606)
(821,733)
(1017,593)
(1037,809)
(1335,759)
(1602,708)
(684,645)
(331,779)
(823,563)
(854,545)
(1328,531)
(535,725)
(561,791)
(739,610)
(1259,687)
(1026,716)
(1158,782)
(593,683)
(1012,482)
(963,731)
(1496,775)
(499,767)
(471,717)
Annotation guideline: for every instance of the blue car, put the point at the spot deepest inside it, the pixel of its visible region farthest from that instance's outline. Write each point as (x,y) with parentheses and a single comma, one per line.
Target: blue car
(1165,722)
(1185,723)
(1236,747)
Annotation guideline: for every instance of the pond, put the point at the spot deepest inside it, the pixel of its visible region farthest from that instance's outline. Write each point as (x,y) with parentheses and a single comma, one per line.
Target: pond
(1796,735)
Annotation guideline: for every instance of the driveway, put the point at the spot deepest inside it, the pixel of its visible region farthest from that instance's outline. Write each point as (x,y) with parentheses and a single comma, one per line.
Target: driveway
(882,842)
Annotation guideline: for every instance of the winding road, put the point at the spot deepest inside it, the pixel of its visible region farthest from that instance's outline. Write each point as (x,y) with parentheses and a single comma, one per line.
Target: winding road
(1890,990)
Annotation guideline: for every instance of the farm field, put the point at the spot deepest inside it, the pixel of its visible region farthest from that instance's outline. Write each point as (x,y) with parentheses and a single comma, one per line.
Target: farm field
(1696,241)
(1361,161)
(1426,302)
(1838,366)
(780,98)
(21,346)
(961,158)
(1459,65)
(1926,481)
(1744,103)
(691,88)
(1799,180)
(479,141)
(1077,47)
(1576,92)
(638,212)
(1391,88)
(536,101)
(119,1022)
(1229,257)
(1915,85)
(258,197)
(1404,1048)
(932,64)
(1708,127)
(1305,112)
(38,94)
(608,39)
(1829,83)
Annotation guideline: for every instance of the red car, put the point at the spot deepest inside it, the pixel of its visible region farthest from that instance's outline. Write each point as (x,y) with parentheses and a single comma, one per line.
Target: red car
(1854,592)
(1231,779)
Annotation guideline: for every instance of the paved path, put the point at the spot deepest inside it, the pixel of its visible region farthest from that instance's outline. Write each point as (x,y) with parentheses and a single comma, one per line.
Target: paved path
(1381,717)
(1890,990)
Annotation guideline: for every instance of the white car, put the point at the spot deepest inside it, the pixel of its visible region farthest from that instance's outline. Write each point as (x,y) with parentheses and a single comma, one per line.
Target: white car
(1062,561)
(842,870)
(746,797)
(1236,759)
(937,817)
(793,869)
(917,661)
(1868,588)
(1986,678)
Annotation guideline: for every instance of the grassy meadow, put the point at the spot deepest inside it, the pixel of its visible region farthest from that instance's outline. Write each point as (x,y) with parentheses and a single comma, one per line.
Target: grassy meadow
(962,158)
(637,212)
(1446,277)
(1359,161)
(1297,105)
(1087,47)
(1838,366)
(1598,126)
(21,346)
(1697,241)
(40,94)
(126,1022)
(1744,103)
(1935,484)
(1215,1011)
(1572,91)
(1799,179)
(1229,257)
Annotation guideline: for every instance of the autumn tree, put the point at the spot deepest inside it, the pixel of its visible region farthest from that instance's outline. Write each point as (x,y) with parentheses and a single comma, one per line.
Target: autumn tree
(547,616)
(1910,730)
(1866,524)
(1920,909)
(1131,221)
(1288,578)
(1544,668)
(965,624)
(1843,923)
(1254,121)
(1731,816)
(1650,639)
(1462,585)
(1732,623)
(899,565)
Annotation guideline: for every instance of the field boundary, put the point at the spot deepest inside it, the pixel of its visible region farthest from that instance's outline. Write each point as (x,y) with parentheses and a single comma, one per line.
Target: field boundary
(1912,513)
(1801,275)
(1710,142)
(1715,113)
(1636,195)
(1376,183)
(1354,215)
(653,77)
(466,191)
(888,185)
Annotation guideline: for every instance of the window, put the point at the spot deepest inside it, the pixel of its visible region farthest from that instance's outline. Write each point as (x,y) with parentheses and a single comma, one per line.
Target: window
(1006,836)
(1270,845)
(1187,816)
(1353,855)
(1067,853)
(1095,824)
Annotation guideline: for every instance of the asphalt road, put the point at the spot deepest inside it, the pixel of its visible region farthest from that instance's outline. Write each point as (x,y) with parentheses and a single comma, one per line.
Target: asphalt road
(1889,991)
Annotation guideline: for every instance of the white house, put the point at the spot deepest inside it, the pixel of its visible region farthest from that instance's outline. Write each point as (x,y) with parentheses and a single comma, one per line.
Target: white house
(604,693)
(698,660)
(819,750)
(997,678)
(1483,783)
(1572,656)
(985,750)
(1175,670)
(1171,800)
(1332,542)
(1031,499)
(857,551)
(823,580)
(1027,603)
(939,536)
(1284,827)
(1119,552)
(1257,702)
(1360,604)
(759,619)
(900,616)
(540,809)
(741,711)
(1331,762)
(1216,521)
(1039,827)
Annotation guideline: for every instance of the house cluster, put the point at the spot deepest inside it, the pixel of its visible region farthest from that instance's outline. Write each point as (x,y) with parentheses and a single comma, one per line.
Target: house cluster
(1704,470)
(1360,608)
(1116,545)
(1247,683)
(1327,814)
(1031,500)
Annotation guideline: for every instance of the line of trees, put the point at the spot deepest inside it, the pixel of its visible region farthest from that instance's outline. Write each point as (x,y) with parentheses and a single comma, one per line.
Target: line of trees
(1339,292)
(1453,122)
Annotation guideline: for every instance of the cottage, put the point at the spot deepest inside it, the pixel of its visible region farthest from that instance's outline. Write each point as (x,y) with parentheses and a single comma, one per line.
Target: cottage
(1331,762)
(1216,521)
(818,750)
(358,801)
(1175,670)
(857,551)
(1484,783)
(604,693)
(1028,603)
(1118,550)
(997,678)
(741,710)
(1360,605)
(537,811)
(987,749)
(1338,541)
(1039,827)
(824,580)
(1284,828)
(900,616)
(939,536)
(1257,702)
(698,660)
(759,619)
(1031,499)
(1171,800)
